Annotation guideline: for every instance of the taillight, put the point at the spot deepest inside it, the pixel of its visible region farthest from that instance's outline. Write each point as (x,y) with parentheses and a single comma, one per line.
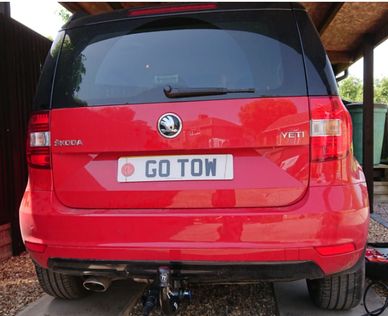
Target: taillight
(331,129)
(38,141)
(173,9)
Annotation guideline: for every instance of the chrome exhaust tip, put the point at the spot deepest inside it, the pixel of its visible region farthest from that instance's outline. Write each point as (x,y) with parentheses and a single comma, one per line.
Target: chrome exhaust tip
(97,284)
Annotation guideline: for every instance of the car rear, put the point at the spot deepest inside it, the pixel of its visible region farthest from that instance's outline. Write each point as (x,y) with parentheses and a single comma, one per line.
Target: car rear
(209,138)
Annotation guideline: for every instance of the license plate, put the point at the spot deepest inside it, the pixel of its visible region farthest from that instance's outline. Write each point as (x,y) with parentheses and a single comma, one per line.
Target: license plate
(175,168)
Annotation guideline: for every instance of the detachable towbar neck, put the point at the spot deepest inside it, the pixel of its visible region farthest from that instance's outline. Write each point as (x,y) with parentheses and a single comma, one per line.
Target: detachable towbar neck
(162,292)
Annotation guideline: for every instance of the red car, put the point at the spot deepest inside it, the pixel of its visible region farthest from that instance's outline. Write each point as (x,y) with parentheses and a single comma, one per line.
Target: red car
(193,143)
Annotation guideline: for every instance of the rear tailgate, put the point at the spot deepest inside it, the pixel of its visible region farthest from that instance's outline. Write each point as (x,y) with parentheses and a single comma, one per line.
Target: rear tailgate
(241,149)
(268,139)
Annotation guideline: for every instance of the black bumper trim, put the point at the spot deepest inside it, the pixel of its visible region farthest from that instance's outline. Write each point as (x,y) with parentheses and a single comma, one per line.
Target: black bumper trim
(204,272)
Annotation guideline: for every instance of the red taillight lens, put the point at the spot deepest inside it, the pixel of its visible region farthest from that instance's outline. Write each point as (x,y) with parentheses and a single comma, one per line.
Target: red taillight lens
(181,8)
(331,129)
(38,141)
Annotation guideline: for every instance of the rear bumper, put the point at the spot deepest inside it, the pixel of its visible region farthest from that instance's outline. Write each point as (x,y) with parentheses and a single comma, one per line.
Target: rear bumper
(195,272)
(264,239)
(202,272)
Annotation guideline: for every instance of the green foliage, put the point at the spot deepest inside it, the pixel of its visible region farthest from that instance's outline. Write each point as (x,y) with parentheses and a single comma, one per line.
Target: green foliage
(381,91)
(350,89)
(64,14)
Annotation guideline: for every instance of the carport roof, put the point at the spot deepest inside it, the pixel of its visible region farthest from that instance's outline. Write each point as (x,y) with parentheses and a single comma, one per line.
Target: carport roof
(343,27)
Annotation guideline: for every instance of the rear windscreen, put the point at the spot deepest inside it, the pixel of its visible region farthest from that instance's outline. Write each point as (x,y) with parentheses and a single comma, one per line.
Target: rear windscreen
(131,61)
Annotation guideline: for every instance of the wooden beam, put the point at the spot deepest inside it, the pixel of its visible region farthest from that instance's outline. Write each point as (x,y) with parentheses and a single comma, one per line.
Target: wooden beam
(331,14)
(368,117)
(340,57)
(96,7)
(382,34)
(88,7)
(72,7)
(376,38)
(116,5)
(338,68)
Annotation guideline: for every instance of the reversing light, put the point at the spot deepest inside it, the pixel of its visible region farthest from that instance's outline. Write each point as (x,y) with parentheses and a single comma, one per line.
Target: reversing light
(173,9)
(326,128)
(331,129)
(38,141)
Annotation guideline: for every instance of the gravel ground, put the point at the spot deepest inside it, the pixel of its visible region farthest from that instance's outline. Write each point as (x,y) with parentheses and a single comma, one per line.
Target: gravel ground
(225,300)
(18,284)
(377,232)
(381,208)
(381,290)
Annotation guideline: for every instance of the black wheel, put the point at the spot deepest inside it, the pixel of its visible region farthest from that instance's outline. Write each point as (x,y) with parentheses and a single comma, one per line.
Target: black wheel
(339,292)
(60,285)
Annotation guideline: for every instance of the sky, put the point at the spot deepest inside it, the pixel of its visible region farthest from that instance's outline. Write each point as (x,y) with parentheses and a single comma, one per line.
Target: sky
(380,63)
(45,20)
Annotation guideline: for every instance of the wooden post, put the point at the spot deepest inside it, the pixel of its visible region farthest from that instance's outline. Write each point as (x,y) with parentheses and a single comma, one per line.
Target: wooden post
(368,127)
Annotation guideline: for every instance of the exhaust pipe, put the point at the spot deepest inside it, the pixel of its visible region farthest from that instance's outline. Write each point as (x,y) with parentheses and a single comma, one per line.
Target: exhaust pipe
(97,284)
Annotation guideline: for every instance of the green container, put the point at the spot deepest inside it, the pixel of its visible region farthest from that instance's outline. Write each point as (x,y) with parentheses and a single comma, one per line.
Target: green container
(384,153)
(356,111)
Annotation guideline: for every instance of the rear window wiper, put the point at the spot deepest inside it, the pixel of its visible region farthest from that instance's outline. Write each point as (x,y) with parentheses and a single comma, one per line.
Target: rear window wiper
(171,92)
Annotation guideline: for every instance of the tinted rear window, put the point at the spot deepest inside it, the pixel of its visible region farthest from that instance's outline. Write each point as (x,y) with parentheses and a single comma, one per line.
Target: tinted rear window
(320,76)
(132,61)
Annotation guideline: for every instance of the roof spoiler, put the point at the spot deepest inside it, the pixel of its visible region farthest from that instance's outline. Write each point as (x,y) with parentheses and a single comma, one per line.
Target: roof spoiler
(75,16)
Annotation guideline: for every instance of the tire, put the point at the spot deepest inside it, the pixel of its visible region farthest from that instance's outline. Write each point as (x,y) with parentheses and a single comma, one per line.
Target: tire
(338,292)
(60,285)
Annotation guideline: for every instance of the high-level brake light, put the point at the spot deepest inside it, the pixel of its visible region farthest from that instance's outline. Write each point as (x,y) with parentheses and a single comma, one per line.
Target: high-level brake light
(173,9)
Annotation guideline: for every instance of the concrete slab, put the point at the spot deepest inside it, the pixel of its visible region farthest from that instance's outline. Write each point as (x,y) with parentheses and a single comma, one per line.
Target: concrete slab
(117,300)
(293,300)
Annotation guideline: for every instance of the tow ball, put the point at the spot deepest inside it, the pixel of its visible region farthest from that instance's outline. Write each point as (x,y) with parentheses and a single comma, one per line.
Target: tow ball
(163,293)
